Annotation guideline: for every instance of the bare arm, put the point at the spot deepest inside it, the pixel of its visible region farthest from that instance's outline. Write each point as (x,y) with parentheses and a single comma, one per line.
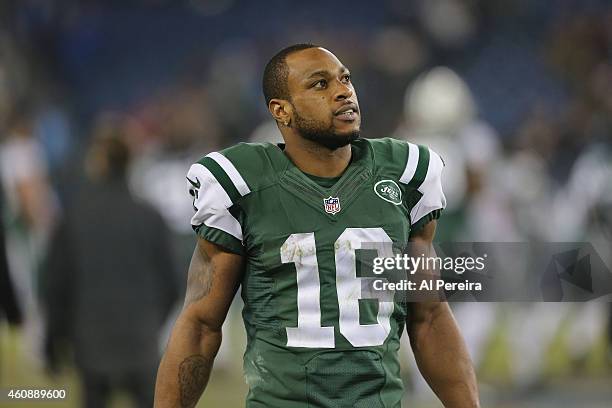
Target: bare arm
(214,277)
(438,347)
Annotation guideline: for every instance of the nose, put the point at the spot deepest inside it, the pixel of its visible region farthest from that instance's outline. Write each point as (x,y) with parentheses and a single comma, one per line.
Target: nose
(343,91)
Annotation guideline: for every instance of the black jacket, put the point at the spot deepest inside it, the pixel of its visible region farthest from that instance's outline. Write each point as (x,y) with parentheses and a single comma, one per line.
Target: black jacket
(109,285)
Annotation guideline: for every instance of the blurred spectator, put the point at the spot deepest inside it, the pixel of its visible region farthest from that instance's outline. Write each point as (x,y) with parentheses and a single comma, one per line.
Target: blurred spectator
(184,129)
(25,176)
(109,284)
(181,128)
(30,211)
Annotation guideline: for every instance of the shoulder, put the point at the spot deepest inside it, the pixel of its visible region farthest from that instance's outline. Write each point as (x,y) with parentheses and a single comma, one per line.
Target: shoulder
(219,183)
(239,169)
(408,162)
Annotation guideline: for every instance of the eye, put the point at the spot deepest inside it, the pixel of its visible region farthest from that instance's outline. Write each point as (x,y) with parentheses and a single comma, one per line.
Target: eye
(321,84)
(346,78)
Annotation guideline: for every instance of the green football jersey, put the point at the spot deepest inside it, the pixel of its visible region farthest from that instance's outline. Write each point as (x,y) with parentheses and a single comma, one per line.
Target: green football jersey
(318,336)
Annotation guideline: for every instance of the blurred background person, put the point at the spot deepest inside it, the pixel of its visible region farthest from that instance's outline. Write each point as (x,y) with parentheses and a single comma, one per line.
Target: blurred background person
(177,128)
(30,211)
(109,284)
(180,128)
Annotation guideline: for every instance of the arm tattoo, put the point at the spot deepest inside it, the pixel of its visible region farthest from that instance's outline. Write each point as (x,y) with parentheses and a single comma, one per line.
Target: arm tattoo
(193,376)
(199,279)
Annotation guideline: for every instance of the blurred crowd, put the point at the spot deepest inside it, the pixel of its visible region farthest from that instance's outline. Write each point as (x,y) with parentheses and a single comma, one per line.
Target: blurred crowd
(105,104)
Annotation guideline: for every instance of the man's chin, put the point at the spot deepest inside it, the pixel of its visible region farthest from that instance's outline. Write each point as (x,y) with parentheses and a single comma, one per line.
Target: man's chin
(338,140)
(332,138)
(351,136)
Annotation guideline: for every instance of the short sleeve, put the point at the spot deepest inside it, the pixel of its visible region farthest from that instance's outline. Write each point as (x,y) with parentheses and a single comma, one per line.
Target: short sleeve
(424,173)
(215,188)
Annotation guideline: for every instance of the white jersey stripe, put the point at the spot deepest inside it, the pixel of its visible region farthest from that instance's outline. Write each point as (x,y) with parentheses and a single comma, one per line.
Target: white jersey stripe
(433,197)
(411,165)
(212,203)
(231,171)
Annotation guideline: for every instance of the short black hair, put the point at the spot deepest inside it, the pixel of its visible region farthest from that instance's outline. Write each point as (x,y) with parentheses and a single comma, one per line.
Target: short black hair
(276,73)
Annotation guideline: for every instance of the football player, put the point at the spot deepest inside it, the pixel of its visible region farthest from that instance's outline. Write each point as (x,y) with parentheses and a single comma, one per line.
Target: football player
(288,223)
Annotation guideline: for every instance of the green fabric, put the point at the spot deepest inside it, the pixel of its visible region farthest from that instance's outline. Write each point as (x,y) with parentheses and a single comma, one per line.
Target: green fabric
(221,238)
(325,182)
(221,177)
(434,215)
(284,202)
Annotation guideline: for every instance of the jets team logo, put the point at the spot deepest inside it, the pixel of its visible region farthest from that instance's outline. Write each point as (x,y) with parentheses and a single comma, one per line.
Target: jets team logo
(389,191)
(332,205)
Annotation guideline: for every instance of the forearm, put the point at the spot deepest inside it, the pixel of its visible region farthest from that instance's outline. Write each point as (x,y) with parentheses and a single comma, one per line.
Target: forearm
(186,365)
(443,359)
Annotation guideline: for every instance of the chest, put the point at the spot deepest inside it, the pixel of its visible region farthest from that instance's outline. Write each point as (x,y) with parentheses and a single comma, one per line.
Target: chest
(369,213)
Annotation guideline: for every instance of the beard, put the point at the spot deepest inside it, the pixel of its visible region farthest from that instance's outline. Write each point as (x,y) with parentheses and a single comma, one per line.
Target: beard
(325,136)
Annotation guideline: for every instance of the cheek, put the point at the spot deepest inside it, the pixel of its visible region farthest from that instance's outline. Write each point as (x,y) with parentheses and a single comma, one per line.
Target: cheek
(314,108)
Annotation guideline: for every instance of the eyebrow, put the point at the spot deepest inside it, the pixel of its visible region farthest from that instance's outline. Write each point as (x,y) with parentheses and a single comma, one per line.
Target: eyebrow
(325,73)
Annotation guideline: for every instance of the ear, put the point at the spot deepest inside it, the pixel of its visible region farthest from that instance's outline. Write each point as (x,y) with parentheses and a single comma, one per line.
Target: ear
(281,111)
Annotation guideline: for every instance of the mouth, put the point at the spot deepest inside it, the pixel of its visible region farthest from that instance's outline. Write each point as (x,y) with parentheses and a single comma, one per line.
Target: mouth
(347,113)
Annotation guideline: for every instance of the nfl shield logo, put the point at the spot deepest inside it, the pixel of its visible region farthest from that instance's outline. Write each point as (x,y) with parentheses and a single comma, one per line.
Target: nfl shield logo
(332,205)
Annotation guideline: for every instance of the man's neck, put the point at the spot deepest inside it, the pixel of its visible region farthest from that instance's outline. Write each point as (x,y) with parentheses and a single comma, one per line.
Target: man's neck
(317,160)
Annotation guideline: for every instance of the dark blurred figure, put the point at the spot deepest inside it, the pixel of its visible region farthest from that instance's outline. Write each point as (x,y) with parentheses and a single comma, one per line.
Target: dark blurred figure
(9,308)
(109,285)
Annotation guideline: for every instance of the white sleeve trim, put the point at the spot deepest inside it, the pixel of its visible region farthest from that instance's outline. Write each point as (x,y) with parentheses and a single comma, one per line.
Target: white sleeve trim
(212,203)
(231,171)
(433,197)
(411,165)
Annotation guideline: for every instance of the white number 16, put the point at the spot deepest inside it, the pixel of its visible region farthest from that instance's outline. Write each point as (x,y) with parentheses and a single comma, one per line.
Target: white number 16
(300,249)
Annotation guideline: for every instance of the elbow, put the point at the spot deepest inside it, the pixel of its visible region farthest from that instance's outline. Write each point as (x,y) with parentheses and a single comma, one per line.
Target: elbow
(201,329)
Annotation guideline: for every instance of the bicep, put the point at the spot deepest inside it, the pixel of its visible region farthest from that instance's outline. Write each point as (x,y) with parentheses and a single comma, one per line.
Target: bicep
(213,279)
(421,243)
